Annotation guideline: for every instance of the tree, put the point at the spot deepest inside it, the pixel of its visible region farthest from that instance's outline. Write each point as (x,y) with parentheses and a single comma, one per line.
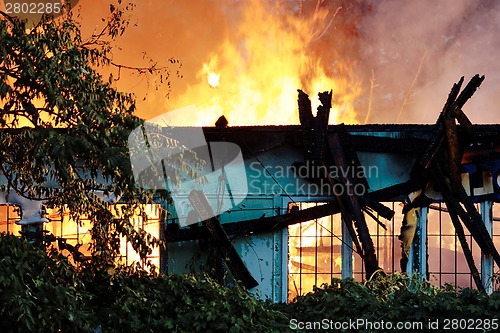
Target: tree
(65,127)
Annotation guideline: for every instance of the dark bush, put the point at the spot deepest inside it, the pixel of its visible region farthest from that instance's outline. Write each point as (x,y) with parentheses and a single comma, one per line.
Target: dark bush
(395,298)
(41,291)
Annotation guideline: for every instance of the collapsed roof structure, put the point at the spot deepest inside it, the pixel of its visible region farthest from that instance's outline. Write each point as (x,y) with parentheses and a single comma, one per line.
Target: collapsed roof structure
(254,223)
(414,163)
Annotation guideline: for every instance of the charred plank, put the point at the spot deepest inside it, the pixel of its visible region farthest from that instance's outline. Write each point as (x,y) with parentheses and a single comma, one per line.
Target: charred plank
(456,100)
(351,211)
(267,224)
(454,156)
(255,226)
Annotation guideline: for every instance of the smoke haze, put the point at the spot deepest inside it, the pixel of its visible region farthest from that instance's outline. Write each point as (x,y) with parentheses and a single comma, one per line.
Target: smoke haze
(446,39)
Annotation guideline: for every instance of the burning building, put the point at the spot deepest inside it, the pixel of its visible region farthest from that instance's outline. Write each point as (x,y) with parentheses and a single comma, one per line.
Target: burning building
(329,201)
(319,200)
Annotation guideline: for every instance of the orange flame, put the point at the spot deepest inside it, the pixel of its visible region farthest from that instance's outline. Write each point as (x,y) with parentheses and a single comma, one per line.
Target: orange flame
(253,77)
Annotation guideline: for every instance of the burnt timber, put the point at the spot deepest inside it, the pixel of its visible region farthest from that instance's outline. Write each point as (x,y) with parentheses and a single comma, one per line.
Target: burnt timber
(431,153)
(397,140)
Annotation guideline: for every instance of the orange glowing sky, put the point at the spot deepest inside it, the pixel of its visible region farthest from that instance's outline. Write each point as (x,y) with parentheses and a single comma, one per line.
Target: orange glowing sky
(404,54)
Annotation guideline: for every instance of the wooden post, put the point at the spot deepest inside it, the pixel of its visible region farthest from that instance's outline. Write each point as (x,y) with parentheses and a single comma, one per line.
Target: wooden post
(352,209)
(346,252)
(417,258)
(487,260)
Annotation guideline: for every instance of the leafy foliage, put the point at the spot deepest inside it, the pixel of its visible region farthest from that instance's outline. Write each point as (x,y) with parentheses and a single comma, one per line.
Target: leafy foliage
(42,292)
(393,298)
(65,127)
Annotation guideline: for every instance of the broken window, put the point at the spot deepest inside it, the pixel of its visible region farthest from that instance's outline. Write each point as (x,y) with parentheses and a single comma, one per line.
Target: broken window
(9,214)
(446,260)
(386,242)
(152,226)
(74,234)
(315,250)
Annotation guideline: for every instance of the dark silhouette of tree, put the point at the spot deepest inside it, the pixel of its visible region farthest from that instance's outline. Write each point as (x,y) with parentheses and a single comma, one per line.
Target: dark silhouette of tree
(65,126)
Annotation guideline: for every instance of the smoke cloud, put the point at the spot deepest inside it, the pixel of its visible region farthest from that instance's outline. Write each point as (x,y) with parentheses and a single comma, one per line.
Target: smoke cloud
(418,49)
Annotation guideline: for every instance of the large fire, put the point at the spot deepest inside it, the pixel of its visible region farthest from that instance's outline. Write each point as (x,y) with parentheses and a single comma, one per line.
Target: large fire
(253,76)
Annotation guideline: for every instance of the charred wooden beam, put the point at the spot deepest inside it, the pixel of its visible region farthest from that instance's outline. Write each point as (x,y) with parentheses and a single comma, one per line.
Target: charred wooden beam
(321,126)
(347,219)
(256,226)
(477,222)
(351,210)
(425,160)
(307,123)
(236,265)
(369,212)
(452,107)
(464,121)
(454,156)
(314,129)
(465,95)
(381,210)
(267,224)
(305,110)
(351,157)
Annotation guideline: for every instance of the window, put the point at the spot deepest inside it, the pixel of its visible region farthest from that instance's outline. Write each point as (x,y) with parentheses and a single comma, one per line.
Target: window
(446,259)
(9,214)
(62,226)
(386,242)
(152,226)
(315,250)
